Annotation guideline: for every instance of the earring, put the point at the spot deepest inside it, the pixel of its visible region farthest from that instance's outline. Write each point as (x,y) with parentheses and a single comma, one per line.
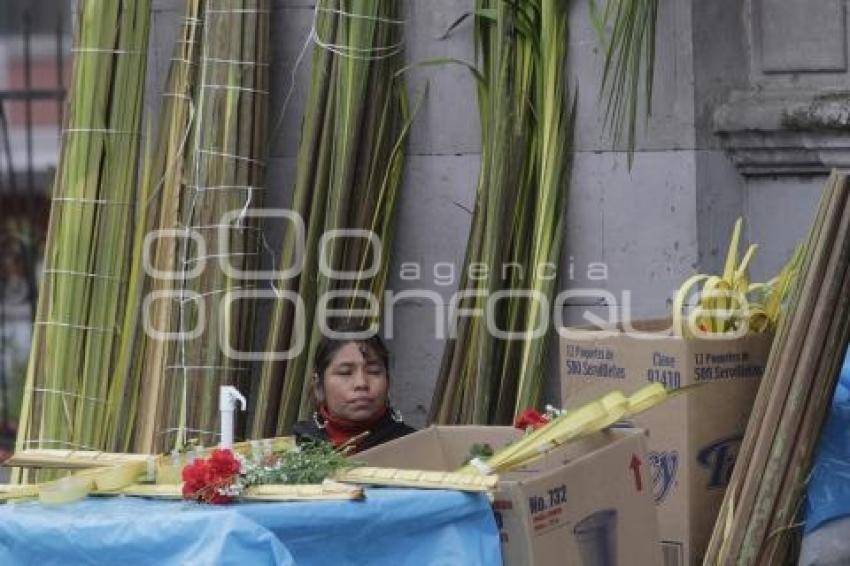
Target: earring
(316,419)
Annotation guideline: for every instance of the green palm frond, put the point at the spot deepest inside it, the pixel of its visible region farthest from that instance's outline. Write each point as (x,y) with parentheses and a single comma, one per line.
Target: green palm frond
(629,68)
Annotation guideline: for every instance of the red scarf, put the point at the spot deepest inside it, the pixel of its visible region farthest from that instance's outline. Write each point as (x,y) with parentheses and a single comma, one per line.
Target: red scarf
(341,430)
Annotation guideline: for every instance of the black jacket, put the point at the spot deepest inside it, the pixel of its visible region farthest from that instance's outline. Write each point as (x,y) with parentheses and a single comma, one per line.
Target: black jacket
(386,429)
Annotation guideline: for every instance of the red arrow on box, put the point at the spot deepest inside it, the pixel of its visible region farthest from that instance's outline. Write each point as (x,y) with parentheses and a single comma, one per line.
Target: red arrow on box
(635,467)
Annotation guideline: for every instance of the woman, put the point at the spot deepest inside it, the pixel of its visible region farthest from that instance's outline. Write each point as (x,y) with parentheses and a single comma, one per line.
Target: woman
(350,386)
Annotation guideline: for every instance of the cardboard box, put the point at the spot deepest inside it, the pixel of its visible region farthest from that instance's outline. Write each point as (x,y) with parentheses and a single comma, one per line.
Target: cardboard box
(693,438)
(586,503)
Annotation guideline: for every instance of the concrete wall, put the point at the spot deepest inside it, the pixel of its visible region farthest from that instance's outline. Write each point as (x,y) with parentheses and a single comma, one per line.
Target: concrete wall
(652,225)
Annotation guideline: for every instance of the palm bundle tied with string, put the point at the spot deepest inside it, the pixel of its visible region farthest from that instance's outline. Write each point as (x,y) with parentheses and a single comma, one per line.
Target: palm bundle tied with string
(205,185)
(348,175)
(83,291)
(144,390)
(142,358)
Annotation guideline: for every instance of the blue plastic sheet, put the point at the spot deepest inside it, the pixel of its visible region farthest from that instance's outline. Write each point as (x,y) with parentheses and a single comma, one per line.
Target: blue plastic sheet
(392,526)
(829,487)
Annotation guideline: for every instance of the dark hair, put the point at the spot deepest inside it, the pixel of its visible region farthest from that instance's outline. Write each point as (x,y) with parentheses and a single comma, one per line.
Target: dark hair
(329,346)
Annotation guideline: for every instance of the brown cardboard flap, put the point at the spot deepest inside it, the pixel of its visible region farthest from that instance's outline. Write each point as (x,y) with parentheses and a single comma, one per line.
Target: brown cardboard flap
(418,451)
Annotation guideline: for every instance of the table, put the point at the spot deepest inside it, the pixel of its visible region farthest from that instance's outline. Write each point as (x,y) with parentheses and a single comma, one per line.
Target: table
(392,526)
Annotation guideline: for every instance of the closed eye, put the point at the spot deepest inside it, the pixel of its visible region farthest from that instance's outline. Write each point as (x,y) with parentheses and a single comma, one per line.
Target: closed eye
(344,369)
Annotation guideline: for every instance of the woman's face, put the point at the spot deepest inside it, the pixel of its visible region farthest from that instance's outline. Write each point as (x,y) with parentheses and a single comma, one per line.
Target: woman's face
(355,383)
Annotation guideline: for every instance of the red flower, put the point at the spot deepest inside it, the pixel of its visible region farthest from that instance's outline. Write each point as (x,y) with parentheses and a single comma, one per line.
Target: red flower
(530,418)
(195,473)
(224,463)
(202,479)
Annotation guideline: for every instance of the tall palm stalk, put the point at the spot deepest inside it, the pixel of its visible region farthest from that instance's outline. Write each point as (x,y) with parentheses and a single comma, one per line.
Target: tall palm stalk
(349,172)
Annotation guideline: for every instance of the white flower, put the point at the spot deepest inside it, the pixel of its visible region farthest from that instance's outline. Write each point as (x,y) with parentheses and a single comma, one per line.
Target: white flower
(554,412)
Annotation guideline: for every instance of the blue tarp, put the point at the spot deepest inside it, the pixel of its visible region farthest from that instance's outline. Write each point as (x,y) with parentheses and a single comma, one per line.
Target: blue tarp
(392,526)
(829,486)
